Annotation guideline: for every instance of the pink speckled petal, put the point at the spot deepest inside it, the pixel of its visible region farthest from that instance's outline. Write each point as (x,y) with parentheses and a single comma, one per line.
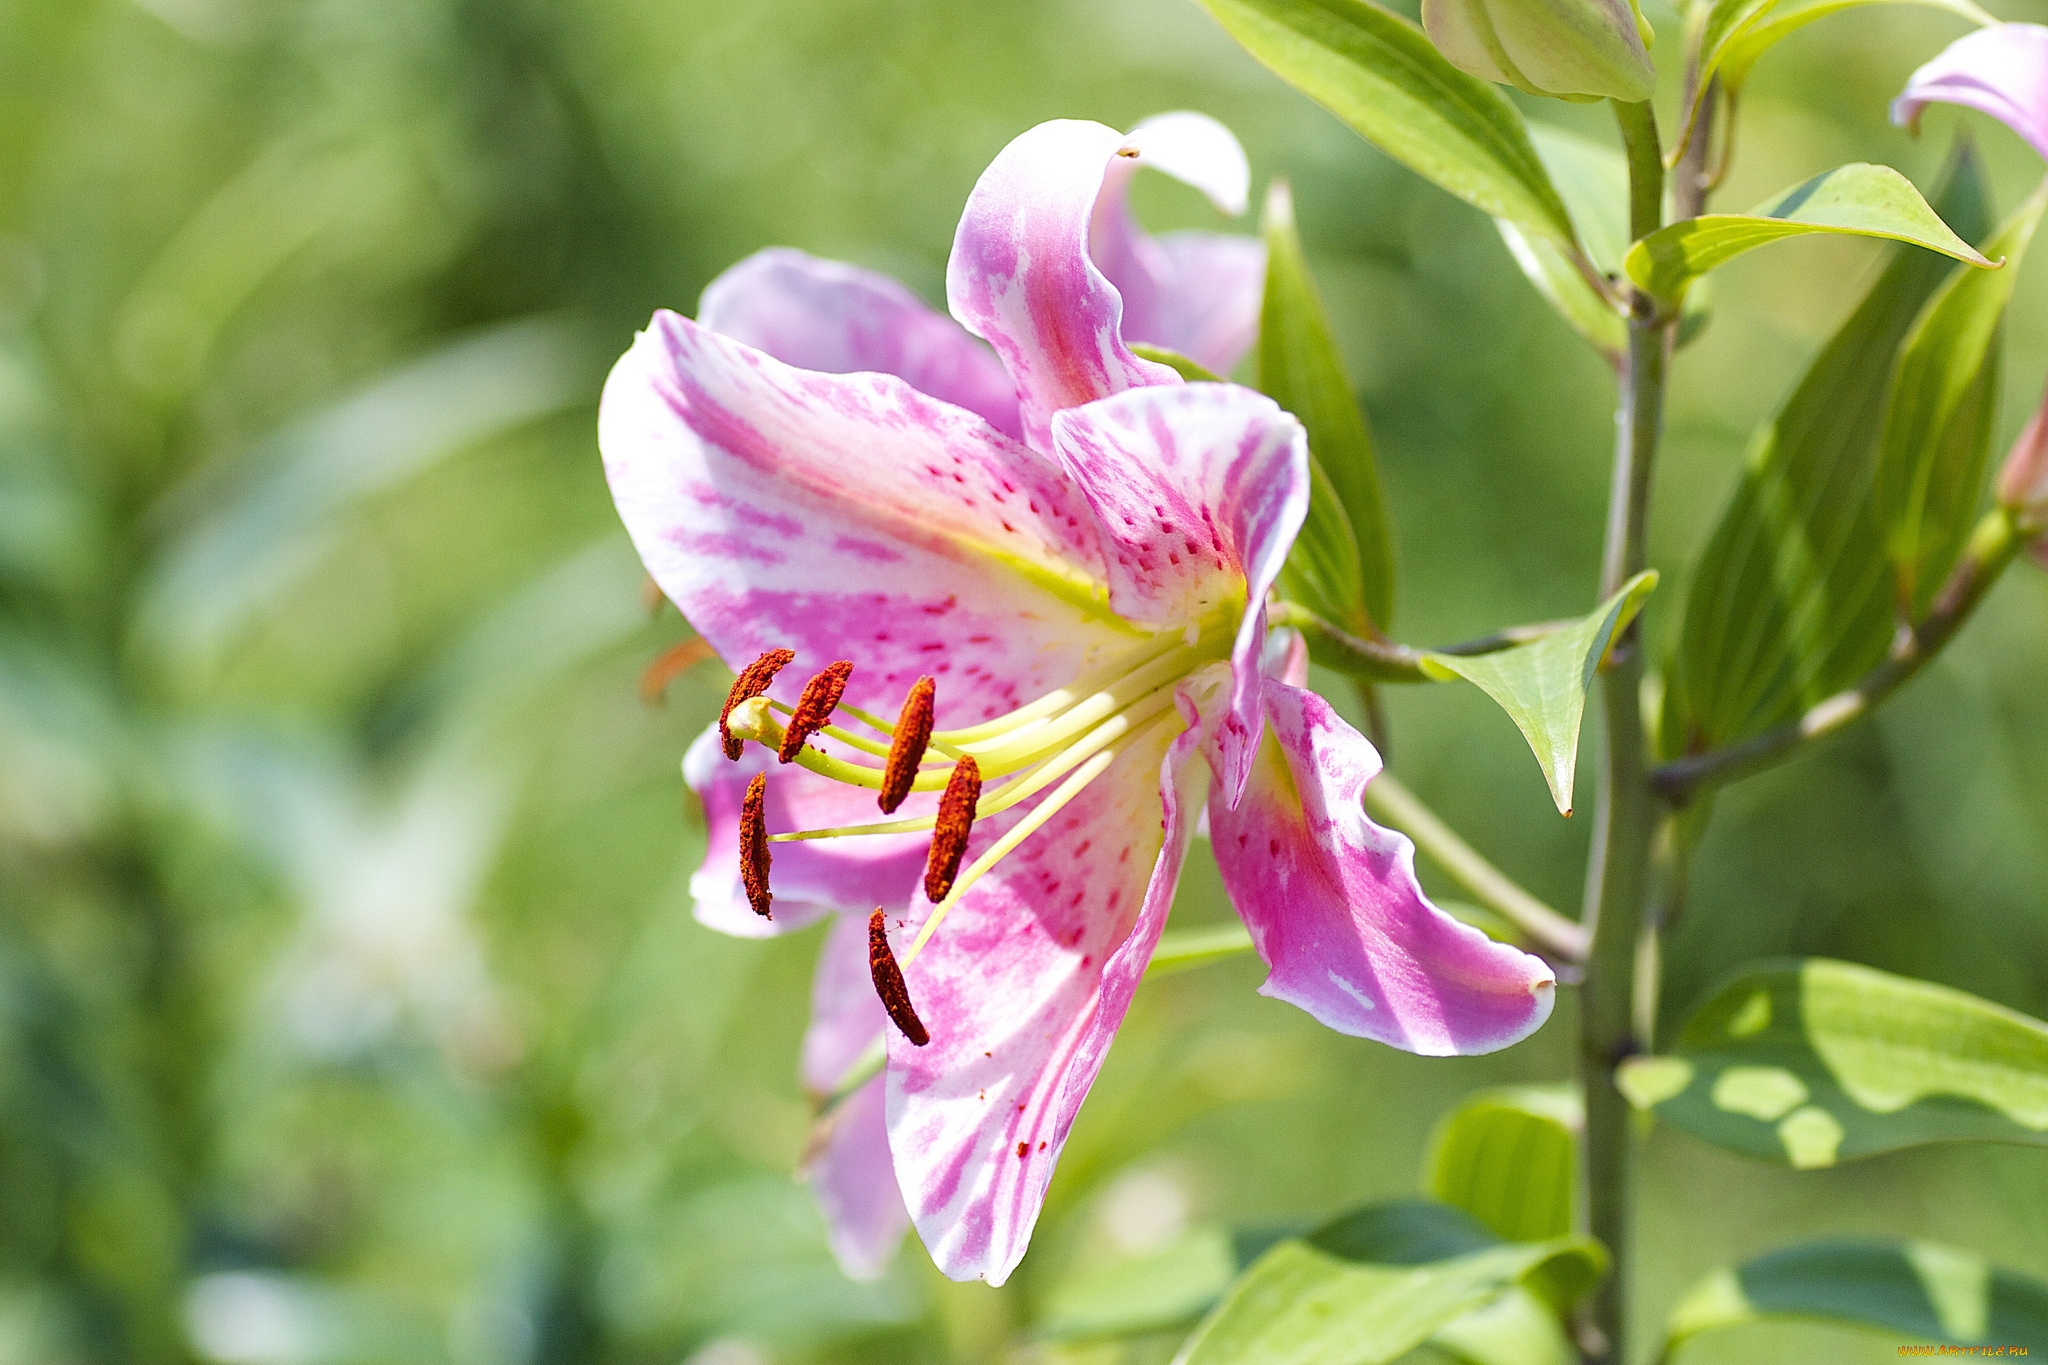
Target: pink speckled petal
(809,878)
(1199,490)
(1197,293)
(2001,71)
(850,517)
(1021,275)
(1022,987)
(851,1176)
(840,319)
(1334,908)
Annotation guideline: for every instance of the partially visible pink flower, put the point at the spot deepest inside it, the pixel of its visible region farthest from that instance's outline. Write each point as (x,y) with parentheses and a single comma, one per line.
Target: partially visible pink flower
(1090,600)
(2023,481)
(2001,71)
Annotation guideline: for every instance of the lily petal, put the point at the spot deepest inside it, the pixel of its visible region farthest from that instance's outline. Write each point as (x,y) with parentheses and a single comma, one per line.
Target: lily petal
(1020,274)
(851,1176)
(812,877)
(850,517)
(1022,988)
(1199,490)
(2001,71)
(1335,910)
(840,319)
(1197,293)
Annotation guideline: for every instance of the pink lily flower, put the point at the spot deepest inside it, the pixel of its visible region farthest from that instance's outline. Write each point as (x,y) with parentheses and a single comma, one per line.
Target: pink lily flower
(2001,70)
(1060,578)
(2023,479)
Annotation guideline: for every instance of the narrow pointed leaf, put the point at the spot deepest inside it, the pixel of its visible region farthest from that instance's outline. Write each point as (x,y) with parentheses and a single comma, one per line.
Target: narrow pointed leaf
(1807,1062)
(1382,75)
(1542,685)
(1937,434)
(1183,948)
(1915,1289)
(1342,565)
(1788,602)
(1508,1157)
(1858,199)
(1592,179)
(1375,1283)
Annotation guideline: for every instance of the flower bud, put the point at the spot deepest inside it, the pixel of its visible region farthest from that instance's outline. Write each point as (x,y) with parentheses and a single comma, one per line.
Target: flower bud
(2023,482)
(1568,49)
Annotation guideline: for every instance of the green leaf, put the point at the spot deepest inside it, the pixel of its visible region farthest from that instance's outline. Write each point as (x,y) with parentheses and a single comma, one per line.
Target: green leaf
(1592,179)
(1807,1062)
(1788,601)
(1937,435)
(1518,1328)
(1858,199)
(1738,32)
(1909,1288)
(1383,76)
(1184,948)
(1148,1293)
(1342,565)
(1542,685)
(1508,1157)
(1187,369)
(1374,1283)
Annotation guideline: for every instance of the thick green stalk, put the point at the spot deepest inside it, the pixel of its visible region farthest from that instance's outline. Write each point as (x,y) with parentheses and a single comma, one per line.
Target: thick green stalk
(1624,821)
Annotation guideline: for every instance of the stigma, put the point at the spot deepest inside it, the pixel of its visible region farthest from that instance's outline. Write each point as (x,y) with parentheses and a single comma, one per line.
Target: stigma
(1043,754)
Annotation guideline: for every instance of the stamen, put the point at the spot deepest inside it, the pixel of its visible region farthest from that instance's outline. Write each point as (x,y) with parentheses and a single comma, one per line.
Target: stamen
(752,682)
(754,858)
(814,708)
(913,733)
(1061,697)
(949,835)
(675,661)
(889,982)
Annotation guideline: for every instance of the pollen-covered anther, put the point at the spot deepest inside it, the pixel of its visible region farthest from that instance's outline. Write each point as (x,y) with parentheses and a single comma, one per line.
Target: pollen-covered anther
(813,711)
(754,846)
(752,682)
(949,835)
(889,982)
(906,751)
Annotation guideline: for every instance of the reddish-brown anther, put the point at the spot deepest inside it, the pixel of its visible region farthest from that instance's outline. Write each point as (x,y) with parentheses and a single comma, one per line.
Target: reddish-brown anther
(754,845)
(949,837)
(889,982)
(814,708)
(752,682)
(906,751)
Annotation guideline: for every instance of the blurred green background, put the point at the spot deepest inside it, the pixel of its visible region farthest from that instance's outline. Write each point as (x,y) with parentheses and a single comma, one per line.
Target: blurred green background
(350,1006)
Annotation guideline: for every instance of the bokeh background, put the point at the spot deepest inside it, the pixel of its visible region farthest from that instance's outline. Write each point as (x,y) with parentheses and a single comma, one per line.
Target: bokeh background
(350,1005)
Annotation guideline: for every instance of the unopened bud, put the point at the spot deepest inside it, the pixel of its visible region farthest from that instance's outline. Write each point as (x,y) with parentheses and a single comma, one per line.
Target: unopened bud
(1568,49)
(2023,483)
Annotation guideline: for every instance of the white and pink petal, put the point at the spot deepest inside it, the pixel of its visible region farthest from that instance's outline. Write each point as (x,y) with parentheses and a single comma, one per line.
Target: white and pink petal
(2001,70)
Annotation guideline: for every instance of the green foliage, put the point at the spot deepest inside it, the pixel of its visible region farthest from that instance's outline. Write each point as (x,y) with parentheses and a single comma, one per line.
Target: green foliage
(1167,1288)
(1809,1062)
(1860,200)
(1342,566)
(1938,426)
(1509,1158)
(1371,1284)
(1918,1289)
(1381,75)
(1592,179)
(1542,685)
(1788,600)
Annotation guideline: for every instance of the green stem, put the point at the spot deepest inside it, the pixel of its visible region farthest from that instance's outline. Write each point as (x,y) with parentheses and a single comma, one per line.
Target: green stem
(1624,821)
(1993,545)
(1387,800)
(1356,656)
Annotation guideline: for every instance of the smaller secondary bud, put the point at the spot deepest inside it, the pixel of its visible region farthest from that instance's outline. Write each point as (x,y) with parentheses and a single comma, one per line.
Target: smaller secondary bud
(906,751)
(889,982)
(1568,49)
(752,682)
(2023,482)
(754,856)
(949,835)
(813,710)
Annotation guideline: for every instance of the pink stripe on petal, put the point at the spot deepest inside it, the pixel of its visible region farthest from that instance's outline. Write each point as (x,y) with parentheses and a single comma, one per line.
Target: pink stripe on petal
(1021,276)
(811,878)
(840,319)
(1021,988)
(2001,71)
(850,517)
(1334,908)
(1199,490)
